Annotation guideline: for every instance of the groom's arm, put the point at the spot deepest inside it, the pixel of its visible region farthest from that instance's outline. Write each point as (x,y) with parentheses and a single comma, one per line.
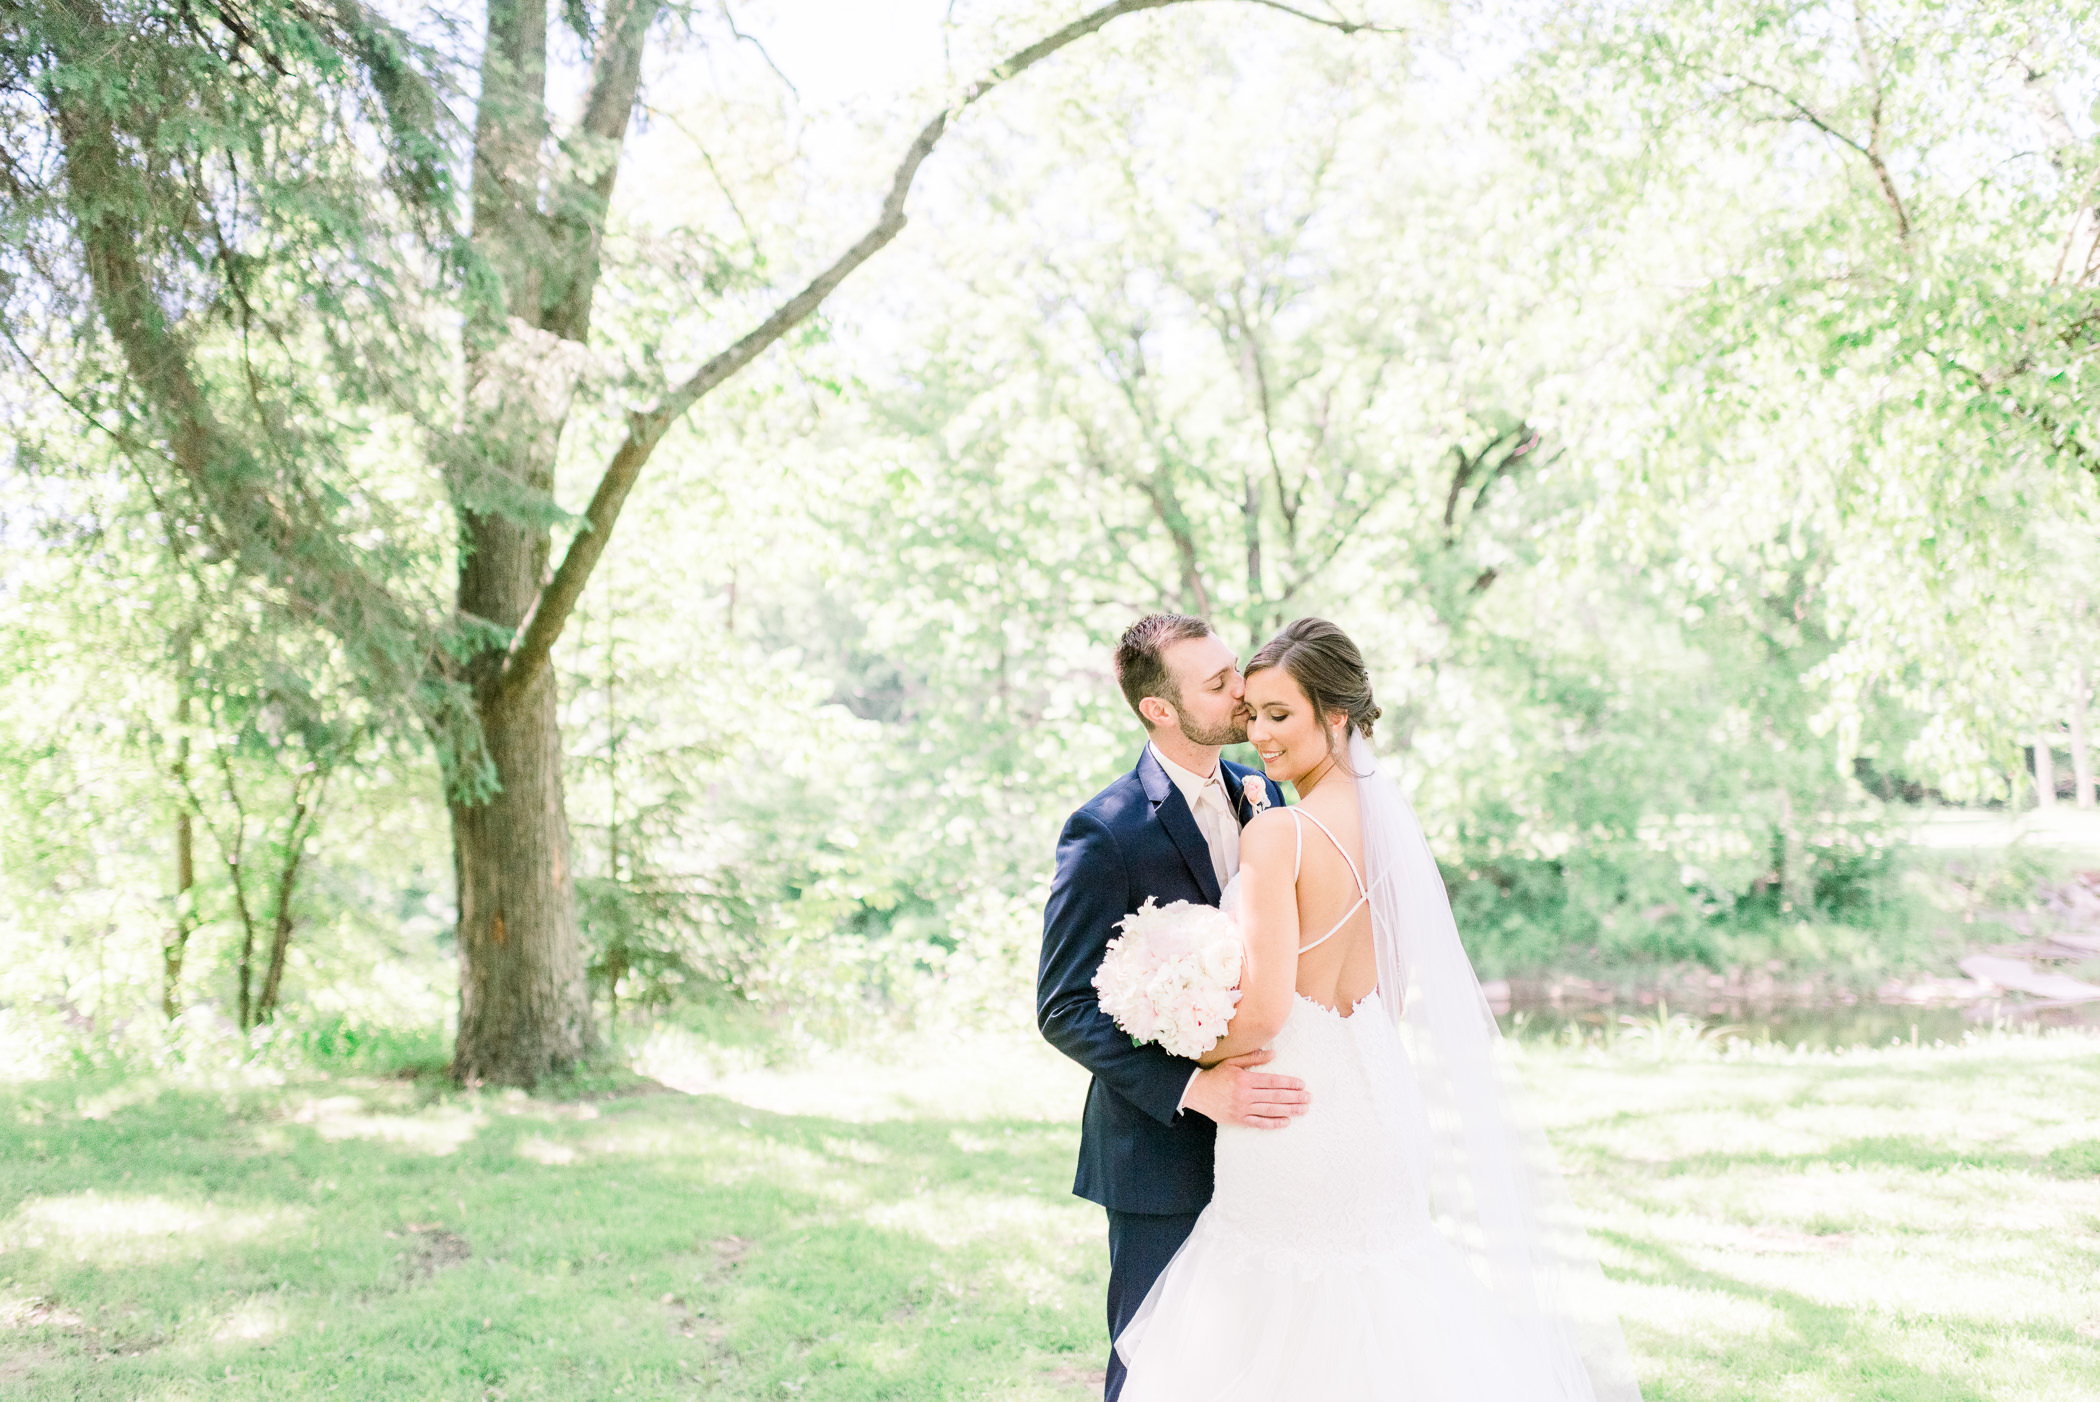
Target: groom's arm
(1087,899)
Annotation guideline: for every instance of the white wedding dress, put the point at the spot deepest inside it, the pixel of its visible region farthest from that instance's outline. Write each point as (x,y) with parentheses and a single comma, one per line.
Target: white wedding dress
(1322,1270)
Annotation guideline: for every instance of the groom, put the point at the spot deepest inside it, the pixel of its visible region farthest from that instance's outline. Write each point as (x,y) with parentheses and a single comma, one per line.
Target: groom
(1169,829)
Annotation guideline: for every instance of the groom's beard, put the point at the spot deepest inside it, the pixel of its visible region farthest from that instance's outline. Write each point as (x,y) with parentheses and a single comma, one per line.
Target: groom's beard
(1233,732)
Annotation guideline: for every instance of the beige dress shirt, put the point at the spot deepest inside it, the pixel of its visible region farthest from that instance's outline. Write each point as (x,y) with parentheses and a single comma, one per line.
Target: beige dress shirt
(1212,805)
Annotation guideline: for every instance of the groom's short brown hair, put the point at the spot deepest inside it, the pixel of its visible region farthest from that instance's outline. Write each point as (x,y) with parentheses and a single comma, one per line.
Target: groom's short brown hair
(1141,667)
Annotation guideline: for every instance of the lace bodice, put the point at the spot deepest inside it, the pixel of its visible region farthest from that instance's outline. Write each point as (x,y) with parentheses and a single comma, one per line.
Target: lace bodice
(1350,1172)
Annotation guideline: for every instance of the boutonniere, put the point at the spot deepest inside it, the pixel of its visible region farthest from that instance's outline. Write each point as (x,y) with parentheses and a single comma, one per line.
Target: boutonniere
(1257,792)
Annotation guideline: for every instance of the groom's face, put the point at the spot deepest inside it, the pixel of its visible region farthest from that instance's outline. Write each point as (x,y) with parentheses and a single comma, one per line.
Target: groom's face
(1207,678)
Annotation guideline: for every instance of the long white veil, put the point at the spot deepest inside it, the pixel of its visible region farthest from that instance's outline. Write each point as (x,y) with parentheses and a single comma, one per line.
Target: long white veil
(1493,1184)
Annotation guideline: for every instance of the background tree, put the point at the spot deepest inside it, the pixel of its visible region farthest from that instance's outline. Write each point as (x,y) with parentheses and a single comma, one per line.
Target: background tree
(1580,385)
(148,129)
(1921,296)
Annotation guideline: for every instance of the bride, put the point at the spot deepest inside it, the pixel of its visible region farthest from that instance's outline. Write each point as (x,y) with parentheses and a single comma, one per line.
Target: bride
(1409,1236)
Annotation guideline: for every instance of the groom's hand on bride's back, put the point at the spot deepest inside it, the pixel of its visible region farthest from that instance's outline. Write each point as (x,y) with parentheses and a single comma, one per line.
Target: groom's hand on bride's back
(1234,1093)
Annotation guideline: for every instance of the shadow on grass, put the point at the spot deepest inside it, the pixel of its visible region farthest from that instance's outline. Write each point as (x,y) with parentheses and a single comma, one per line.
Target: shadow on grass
(1827,1355)
(2080,1160)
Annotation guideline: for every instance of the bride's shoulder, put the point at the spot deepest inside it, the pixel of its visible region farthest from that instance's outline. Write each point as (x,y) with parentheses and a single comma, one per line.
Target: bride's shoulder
(1273,829)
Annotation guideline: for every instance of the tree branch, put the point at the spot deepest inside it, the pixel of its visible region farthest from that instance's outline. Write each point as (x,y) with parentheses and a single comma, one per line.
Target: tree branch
(2061,437)
(1250,504)
(1339,537)
(1870,152)
(413,106)
(1801,110)
(234,869)
(533,644)
(1157,486)
(1460,476)
(2048,111)
(1346,26)
(305,815)
(742,38)
(616,80)
(248,517)
(1872,68)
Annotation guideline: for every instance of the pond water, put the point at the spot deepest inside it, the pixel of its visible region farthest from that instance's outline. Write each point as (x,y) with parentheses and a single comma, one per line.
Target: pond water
(1862,1024)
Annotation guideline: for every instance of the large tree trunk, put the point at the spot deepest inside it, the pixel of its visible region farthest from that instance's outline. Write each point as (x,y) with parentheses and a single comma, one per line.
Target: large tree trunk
(524,1010)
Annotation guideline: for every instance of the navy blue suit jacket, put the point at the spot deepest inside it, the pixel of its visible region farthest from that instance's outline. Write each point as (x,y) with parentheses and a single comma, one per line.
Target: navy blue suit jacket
(1134,839)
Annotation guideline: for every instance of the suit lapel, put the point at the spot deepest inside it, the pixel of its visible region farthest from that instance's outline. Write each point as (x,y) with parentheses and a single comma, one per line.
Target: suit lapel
(1172,811)
(1236,785)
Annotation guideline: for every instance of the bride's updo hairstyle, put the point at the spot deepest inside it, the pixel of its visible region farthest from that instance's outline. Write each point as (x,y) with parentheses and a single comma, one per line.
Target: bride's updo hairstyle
(1327,666)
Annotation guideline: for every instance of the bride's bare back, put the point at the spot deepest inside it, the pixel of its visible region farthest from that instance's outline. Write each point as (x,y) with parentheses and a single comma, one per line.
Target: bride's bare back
(1304,917)
(1336,969)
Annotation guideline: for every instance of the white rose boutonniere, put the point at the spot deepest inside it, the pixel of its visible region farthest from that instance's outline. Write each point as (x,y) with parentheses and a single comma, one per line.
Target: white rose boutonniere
(1257,791)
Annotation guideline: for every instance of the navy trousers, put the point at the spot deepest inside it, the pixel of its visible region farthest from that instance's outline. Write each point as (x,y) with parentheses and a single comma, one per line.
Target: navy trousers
(1139,1246)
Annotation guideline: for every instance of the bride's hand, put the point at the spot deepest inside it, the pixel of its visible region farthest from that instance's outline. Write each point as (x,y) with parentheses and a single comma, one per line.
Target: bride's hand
(1231,1093)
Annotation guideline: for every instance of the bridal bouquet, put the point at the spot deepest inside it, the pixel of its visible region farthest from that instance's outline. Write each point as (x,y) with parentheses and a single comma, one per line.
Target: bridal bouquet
(1172,976)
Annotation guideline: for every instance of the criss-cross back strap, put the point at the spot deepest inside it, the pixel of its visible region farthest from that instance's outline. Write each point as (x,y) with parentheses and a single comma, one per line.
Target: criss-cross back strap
(1362,892)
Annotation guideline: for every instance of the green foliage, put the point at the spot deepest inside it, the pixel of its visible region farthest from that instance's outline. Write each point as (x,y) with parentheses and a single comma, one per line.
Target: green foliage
(226,291)
(1875,227)
(346,1046)
(1700,515)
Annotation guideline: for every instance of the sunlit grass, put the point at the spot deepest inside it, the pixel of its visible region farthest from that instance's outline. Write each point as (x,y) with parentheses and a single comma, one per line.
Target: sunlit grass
(1893,1224)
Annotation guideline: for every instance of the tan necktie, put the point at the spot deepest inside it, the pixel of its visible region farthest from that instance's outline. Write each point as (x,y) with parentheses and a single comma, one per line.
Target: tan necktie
(1220,831)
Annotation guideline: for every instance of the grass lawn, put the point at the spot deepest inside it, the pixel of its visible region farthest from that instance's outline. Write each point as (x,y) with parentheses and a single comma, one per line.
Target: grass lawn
(1888,1224)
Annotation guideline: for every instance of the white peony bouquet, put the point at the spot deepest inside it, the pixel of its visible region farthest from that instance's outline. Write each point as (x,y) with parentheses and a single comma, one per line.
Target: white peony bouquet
(1172,976)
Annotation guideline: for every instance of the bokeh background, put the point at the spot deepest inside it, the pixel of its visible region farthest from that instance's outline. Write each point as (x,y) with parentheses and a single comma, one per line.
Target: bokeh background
(1715,515)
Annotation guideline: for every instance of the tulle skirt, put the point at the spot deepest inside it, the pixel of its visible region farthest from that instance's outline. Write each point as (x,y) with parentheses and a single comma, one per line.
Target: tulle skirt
(1235,1322)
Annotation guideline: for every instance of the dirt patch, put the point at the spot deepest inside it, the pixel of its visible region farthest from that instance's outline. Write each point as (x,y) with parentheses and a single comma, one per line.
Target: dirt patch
(598,1088)
(19,1359)
(21,1364)
(690,1321)
(1071,1375)
(431,1248)
(1786,1239)
(37,1313)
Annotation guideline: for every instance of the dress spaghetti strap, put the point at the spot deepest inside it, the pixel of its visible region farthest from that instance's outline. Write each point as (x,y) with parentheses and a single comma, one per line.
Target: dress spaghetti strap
(1362,892)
